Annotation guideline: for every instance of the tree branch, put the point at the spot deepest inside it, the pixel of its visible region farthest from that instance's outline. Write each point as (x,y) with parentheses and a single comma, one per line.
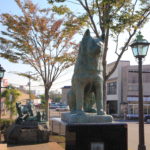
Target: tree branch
(117,40)
(86,7)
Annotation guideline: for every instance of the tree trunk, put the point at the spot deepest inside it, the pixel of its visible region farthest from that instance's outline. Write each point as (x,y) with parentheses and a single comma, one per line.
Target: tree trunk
(11,116)
(104,86)
(47,103)
(104,96)
(12,100)
(106,40)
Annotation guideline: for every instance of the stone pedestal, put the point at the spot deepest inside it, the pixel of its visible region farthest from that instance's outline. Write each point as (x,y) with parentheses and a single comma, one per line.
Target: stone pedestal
(85,118)
(27,134)
(107,136)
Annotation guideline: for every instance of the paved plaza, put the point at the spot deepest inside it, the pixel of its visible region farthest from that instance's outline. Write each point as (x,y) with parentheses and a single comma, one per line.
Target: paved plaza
(45,146)
(133,136)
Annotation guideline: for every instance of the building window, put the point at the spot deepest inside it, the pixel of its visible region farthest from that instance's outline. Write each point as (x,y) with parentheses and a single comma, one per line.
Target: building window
(133,109)
(112,88)
(146,78)
(134,99)
(133,78)
(133,87)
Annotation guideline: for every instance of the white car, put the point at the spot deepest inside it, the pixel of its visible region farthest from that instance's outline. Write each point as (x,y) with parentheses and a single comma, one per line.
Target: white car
(62,108)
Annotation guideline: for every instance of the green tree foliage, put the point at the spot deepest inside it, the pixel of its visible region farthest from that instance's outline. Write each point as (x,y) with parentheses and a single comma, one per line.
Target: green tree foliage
(11,95)
(55,96)
(109,19)
(40,38)
(43,102)
(27,75)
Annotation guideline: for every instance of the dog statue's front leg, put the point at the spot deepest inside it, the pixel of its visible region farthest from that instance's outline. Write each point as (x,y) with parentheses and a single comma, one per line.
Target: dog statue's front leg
(99,97)
(79,100)
(71,101)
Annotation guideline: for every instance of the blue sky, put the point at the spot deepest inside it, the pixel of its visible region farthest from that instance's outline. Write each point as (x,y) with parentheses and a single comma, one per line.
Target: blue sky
(9,6)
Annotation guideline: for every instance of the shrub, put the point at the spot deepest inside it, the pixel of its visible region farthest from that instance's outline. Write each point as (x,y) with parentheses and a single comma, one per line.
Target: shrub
(5,123)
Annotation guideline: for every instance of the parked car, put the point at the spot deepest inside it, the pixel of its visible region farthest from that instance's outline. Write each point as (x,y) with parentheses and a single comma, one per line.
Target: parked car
(53,106)
(147,118)
(62,108)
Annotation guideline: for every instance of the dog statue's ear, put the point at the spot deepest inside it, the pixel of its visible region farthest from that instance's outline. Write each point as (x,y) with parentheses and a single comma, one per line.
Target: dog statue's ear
(87,33)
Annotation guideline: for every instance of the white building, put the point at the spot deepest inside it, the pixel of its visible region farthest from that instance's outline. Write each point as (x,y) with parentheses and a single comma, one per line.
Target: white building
(65,90)
(122,89)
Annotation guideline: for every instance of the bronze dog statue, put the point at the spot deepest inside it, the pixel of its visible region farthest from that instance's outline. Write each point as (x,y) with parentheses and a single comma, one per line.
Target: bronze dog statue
(88,75)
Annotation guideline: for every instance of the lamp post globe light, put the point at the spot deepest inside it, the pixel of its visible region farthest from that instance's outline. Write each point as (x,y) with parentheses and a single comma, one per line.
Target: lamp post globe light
(139,48)
(2,71)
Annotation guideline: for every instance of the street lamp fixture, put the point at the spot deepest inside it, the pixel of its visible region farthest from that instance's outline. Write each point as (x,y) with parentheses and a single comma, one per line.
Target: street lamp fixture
(139,48)
(2,71)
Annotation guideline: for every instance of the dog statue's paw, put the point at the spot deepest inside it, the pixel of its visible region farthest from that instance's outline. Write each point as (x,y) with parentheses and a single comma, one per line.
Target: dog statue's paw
(101,112)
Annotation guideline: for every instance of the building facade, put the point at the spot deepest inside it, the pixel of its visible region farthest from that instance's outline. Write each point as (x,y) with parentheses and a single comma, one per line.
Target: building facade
(122,89)
(65,91)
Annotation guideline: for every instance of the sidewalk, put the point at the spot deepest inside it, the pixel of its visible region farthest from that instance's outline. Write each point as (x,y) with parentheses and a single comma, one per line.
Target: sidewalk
(45,146)
(3,146)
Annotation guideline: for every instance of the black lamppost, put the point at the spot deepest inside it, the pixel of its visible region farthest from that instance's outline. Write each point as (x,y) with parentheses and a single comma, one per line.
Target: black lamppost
(140,48)
(1,77)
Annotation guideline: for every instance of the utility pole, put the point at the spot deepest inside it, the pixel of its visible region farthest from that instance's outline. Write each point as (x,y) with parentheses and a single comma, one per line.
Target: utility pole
(29,84)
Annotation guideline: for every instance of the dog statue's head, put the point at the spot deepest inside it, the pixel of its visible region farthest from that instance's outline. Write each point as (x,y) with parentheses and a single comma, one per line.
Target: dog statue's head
(91,45)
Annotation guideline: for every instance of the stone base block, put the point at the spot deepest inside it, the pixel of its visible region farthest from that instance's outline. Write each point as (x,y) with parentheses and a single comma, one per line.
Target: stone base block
(85,118)
(17,134)
(108,136)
